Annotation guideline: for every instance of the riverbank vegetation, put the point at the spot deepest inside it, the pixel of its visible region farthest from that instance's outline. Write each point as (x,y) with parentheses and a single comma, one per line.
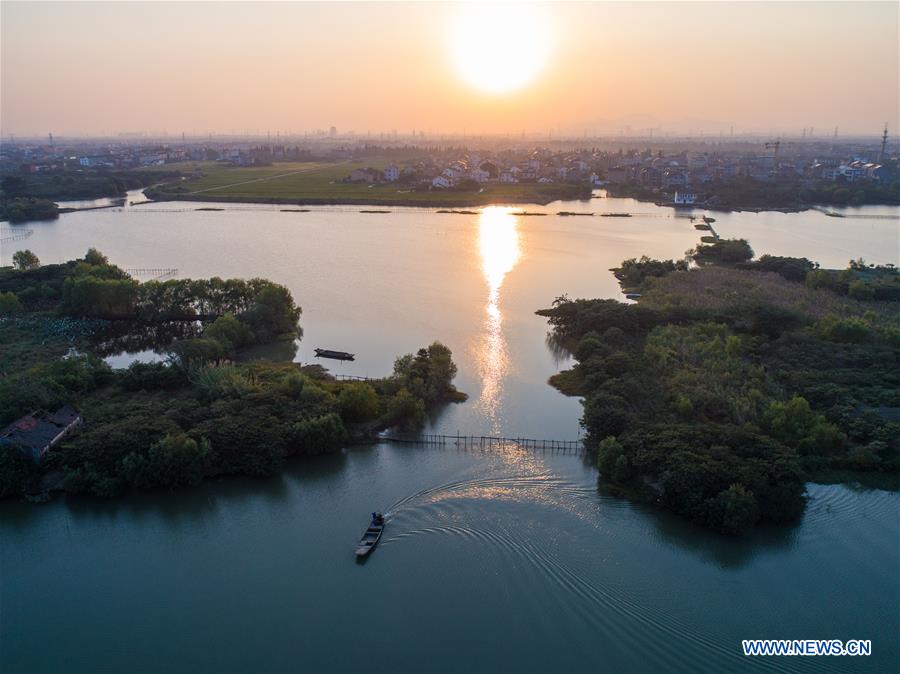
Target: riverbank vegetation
(202,413)
(24,209)
(749,194)
(730,383)
(76,184)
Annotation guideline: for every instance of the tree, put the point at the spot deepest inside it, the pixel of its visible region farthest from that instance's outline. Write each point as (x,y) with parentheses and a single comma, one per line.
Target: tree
(820,278)
(850,330)
(604,414)
(95,257)
(174,461)
(733,510)
(860,290)
(358,402)
(791,268)
(9,304)
(428,374)
(723,251)
(608,454)
(633,272)
(23,260)
(321,434)
(797,425)
(228,330)
(14,186)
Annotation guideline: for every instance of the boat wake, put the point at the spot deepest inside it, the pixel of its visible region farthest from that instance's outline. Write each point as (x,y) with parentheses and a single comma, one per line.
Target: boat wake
(594,596)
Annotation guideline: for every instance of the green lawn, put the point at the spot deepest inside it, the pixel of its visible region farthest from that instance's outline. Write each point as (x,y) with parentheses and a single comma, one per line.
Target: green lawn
(320,182)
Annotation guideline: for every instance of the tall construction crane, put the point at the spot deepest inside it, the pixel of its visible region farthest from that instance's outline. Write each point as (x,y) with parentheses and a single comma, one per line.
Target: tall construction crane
(774,145)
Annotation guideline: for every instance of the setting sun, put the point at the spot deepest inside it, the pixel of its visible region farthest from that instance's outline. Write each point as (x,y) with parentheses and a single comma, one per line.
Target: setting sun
(499,48)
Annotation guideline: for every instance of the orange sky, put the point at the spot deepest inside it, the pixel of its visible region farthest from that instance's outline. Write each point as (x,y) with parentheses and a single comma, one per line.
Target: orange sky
(91,68)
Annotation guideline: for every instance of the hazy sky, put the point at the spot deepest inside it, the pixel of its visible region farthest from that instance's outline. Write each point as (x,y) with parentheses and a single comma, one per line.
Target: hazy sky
(93,67)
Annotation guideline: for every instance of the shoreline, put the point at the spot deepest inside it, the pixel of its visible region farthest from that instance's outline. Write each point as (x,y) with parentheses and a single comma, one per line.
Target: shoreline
(475,202)
(353,201)
(821,207)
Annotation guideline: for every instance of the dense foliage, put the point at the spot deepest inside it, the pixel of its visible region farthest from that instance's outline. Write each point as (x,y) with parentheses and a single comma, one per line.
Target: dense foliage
(744,193)
(726,385)
(635,271)
(198,415)
(79,183)
(23,209)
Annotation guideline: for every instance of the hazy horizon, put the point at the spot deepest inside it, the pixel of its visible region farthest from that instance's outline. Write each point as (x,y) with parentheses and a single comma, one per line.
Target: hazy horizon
(99,69)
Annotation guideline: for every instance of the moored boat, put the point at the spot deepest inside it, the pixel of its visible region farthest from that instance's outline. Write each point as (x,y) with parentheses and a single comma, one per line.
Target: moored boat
(373,534)
(337,355)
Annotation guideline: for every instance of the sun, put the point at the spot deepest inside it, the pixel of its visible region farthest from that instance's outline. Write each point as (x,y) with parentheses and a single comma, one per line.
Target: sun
(500,47)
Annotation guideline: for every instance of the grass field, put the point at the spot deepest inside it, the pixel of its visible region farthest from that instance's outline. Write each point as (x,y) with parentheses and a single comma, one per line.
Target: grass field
(320,183)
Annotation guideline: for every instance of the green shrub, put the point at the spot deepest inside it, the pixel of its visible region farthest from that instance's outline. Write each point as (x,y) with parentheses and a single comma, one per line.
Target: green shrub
(860,290)
(358,402)
(733,510)
(851,330)
(174,461)
(321,434)
(10,304)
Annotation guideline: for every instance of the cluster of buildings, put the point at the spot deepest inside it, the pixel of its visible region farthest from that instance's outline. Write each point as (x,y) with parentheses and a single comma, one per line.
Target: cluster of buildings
(686,171)
(683,166)
(56,157)
(446,170)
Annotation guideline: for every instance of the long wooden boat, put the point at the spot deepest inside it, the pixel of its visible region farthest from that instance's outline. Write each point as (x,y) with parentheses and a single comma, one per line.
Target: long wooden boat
(370,539)
(337,355)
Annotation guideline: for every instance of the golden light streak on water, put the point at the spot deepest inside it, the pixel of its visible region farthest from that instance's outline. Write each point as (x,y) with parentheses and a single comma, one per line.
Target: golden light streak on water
(498,245)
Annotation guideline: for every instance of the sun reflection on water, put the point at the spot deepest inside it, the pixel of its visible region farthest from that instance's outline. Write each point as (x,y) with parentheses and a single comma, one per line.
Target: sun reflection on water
(498,245)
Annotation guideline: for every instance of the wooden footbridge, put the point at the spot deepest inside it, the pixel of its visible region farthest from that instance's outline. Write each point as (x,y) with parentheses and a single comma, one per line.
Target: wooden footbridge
(154,274)
(488,442)
(14,234)
(351,377)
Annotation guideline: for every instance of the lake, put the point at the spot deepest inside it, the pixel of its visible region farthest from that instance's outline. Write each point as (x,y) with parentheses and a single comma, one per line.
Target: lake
(503,560)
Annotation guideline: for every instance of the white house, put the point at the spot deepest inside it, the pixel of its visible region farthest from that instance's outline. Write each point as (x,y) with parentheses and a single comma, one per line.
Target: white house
(507,177)
(685,197)
(479,175)
(441,182)
(852,171)
(392,174)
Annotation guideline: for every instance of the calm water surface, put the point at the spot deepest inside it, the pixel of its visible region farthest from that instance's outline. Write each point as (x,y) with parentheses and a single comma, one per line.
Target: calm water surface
(502,560)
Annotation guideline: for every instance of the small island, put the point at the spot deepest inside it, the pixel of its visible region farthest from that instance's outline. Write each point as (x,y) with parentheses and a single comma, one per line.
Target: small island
(730,382)
(206,411)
